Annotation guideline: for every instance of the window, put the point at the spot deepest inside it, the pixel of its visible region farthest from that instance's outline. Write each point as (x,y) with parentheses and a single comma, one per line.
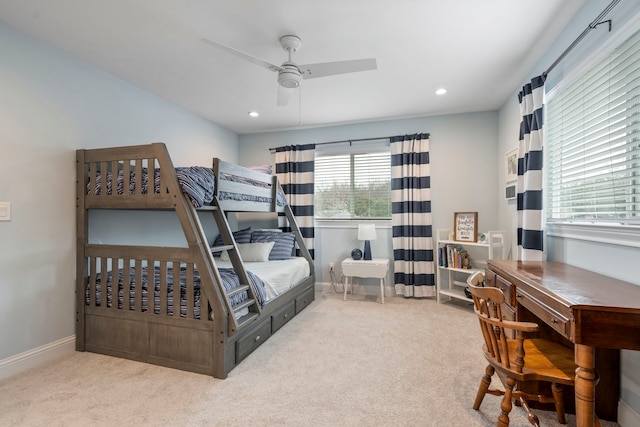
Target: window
(593,142)
(352,185)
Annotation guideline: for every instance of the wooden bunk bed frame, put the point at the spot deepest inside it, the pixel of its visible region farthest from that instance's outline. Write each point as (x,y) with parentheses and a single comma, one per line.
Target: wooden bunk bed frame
(218,340)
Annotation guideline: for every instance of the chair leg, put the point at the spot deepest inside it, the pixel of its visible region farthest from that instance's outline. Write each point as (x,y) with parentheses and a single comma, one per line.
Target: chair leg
(557,391)
(506,404)
(533,418)
(484,386)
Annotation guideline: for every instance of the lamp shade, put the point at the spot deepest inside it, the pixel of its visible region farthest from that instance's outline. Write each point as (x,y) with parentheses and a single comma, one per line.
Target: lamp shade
(366,232)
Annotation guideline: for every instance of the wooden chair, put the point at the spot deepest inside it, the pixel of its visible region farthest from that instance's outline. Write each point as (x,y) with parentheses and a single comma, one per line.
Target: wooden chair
(517,360)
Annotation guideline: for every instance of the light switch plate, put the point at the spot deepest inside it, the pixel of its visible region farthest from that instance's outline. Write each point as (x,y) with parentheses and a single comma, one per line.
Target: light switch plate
(5,211)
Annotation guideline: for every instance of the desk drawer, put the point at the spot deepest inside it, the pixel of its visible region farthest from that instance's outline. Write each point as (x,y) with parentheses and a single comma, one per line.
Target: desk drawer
(509,313)
(507,288)
(551,317)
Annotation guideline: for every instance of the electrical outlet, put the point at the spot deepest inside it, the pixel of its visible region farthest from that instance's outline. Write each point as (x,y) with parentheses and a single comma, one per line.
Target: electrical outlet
(5,211)
(331,265)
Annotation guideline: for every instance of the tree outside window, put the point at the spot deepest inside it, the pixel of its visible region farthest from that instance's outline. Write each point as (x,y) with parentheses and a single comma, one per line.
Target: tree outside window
(353,186)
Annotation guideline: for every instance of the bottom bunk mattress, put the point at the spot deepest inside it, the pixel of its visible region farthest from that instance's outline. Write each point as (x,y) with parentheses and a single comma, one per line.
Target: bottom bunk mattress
(229,278)
(277,276)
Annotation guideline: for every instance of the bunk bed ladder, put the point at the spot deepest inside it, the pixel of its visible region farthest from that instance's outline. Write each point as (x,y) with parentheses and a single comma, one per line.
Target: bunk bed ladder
(230,246)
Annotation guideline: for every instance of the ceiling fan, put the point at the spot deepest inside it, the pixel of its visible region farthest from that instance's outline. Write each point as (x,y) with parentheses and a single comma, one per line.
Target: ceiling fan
(290,74)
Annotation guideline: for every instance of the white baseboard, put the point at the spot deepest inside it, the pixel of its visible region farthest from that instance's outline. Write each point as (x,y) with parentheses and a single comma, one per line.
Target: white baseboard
(328,287)
(627,416)
(325,287)
(32,358)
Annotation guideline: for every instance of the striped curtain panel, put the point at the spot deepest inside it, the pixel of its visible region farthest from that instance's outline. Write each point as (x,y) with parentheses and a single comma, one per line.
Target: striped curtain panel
(294,169)
(411,216)
(529,187)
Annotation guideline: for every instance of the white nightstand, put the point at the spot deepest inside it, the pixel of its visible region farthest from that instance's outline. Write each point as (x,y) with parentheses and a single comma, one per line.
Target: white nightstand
(375,268)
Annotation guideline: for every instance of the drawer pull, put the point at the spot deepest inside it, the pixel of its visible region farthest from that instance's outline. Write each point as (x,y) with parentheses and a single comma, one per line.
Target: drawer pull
(257,338)
(286,315)
(518,296)
(554,321)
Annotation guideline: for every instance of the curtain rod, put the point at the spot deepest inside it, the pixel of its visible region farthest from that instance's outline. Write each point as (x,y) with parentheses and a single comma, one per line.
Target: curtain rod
(590,27)
(346,140)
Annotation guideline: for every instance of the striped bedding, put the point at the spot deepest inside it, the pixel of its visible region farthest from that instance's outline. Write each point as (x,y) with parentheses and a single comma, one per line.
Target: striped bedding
(229,278)
(197,183)
(281,199)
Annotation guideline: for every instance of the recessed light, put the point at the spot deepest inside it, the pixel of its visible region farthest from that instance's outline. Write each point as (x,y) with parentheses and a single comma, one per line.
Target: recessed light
(441,91)
(253,114)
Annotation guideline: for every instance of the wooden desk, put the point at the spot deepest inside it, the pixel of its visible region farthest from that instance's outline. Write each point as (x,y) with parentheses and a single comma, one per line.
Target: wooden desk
(588,309)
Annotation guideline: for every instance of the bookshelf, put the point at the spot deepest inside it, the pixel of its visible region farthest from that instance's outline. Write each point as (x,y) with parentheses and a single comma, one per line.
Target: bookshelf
(451,275)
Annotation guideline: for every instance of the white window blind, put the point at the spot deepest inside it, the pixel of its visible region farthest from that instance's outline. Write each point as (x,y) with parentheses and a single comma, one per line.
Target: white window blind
(352,186)
(592,138)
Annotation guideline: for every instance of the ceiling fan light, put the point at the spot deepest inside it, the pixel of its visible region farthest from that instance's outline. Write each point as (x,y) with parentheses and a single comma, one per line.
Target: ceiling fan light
(289,79)
(290,76)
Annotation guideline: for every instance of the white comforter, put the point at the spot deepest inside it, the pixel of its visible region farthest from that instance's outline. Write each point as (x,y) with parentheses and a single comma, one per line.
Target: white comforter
(278,276)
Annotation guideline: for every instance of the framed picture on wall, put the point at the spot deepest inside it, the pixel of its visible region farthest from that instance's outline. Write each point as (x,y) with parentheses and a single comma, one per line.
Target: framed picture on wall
(511,165)
(465,226)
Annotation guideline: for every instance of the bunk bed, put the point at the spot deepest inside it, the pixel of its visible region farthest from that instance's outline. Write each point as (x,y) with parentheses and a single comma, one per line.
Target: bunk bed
(203,307)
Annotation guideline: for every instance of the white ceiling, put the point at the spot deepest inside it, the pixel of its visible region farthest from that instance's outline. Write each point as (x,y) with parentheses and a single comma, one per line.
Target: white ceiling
(479,50)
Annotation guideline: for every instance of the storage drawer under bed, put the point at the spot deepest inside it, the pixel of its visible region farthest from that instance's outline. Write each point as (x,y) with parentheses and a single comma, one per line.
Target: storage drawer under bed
(305,299)
(282,316)
(253,340)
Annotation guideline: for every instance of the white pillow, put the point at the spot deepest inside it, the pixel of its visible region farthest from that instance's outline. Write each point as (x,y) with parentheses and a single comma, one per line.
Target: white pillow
(252,252)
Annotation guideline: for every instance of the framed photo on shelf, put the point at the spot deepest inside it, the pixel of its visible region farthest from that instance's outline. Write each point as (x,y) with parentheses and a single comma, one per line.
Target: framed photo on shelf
(511,165)
(465,226)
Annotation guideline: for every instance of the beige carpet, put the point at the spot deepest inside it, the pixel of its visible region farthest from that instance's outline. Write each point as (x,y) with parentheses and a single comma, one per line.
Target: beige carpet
(353,363)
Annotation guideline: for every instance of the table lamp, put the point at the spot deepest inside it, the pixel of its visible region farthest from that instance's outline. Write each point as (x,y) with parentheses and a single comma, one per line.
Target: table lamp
(367,232)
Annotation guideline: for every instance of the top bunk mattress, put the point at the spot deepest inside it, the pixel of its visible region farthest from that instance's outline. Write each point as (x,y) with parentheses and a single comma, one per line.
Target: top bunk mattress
(241,188)
(278,276)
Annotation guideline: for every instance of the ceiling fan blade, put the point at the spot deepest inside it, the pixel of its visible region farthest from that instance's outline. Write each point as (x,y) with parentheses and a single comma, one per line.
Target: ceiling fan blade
(310,71)
(284,94)
(243,55)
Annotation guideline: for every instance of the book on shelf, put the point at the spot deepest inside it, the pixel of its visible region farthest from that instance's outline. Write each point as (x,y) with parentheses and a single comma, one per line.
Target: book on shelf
(453,256)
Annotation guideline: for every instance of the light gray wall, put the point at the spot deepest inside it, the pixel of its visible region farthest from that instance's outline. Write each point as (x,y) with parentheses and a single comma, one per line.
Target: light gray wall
(463,155)
(616,261)
(50,105)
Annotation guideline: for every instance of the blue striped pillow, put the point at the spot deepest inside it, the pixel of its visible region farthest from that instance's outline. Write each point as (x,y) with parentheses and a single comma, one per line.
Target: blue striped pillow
(241,237)
(283,246)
